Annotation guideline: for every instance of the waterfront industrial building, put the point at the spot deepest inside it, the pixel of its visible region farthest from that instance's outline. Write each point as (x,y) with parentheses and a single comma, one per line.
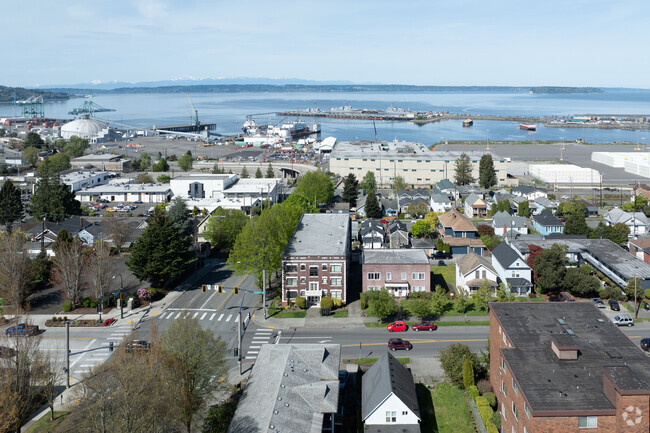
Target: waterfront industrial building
(78,180)
(127,192)
(101,161)
(565,174)
(632,162)
(414,162)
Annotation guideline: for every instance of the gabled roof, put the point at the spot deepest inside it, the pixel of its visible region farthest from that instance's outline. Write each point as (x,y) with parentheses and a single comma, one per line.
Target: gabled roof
(389,203)
(618,215)
(413,193)
(641,243)
(371,230)
(445,184)
(471,199)
(385,378)
(370,222)
(397,225)
(440,198)
(526,189)
(502,218)
(547,219)
(456,221)
(72,225)
(505,255)
(546,202)
(471,261)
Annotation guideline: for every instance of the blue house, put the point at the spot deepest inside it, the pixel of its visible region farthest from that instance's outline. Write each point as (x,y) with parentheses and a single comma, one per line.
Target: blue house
(546,223)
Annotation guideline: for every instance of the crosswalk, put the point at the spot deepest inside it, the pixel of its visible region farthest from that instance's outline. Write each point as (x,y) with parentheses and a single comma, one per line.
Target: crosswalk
(261,336)
(97,352)
(200,315)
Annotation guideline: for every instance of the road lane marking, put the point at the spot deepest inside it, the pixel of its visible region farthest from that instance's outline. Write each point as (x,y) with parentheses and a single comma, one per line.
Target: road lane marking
(251,357)
(237,319)
(225,299)
(212,317)
(156,313)
(219,319)
(264,330)
(169,316)
(420,341)
(254,347)
(179,315)
(229,317)
(195,314)
(190,309)
(115,338)
(253,352)
(82,355)
(203,316)
(208,300)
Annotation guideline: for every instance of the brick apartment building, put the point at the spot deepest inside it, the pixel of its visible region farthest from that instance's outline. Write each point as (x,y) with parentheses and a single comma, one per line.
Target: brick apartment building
(401,271)
(564,367)
(316,261)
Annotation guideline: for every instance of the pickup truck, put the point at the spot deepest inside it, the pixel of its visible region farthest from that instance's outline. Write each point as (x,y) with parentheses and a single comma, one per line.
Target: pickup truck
(22,329)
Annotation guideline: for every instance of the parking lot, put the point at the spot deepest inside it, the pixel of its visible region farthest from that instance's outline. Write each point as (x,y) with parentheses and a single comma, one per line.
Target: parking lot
(120,208)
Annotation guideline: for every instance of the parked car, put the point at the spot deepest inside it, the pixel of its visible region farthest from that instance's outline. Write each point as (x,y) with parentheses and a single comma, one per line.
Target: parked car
(424,326)
(645,344)
(398,326)
(442,263)
(22,329)
(138,202)
(614,305)
(399,344)
(109,322)
(137,345)
(623,320)
(598,302)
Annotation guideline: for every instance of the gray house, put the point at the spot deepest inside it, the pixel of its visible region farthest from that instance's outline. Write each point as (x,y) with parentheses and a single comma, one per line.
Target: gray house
(398,235)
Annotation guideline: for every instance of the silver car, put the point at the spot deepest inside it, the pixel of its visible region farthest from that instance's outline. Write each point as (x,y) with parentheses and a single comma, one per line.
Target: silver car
(623,320)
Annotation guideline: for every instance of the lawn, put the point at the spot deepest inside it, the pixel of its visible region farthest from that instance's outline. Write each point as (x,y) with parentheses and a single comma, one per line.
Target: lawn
(282,314)
(444,276)
(44,424)
(439,323)
(445,410)
(340,313)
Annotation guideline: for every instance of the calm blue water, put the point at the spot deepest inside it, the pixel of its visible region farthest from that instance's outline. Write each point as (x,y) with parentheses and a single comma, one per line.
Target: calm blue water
(229,111)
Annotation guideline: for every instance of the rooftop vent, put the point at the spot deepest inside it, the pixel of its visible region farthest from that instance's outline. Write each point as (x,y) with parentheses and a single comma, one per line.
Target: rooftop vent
(564,346)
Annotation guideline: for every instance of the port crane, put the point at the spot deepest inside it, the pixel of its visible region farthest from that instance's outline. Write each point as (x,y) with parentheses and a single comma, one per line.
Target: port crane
(194,116)
(32,106)
(89,108)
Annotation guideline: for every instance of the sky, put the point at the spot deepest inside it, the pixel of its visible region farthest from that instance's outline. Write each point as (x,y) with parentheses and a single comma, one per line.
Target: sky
(452,42)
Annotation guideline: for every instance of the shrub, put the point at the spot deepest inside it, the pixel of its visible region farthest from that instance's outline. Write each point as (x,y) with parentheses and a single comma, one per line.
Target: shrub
(532,295)
(492,399)
(362,303)
(326,302)
(486,412)
(65,318)
(337,302)
(484,386)
(67,306)
(89,302)
(481,401)
(473,391)
(301,302)
(451,360)
(468,372)
(491,428)
(495,419)
(611,293)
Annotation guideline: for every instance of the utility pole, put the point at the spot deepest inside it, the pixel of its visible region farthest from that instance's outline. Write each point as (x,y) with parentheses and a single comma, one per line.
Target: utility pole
(67,354)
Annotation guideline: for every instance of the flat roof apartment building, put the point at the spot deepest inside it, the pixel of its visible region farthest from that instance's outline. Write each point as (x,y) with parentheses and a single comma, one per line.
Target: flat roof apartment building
(315,263)
(565,367)
(414,162)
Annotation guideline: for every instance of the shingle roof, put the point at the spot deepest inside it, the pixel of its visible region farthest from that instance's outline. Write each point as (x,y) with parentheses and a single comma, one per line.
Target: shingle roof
(501,219)
(445,184)
(618,215)
(547,219)
(505,254)
(387,376)
(457,221)
(459,242)
(389,203)
(470,261)
(440,198)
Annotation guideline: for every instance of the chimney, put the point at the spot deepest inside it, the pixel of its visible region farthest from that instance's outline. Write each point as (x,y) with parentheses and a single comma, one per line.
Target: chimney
(564,346)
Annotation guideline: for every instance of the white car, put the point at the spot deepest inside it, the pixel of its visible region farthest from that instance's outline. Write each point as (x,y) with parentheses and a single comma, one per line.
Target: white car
(623,320)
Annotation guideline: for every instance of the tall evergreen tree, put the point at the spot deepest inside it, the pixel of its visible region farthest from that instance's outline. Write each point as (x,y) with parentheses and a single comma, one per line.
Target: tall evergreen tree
(180,216)
(368,182)
(373,210)
(576,225)
(270,174)
(524,209)
(11,207)
(244,173)
(160,253)
(486,173)
(463,170)
(258,173)
(53,199)
(350,189)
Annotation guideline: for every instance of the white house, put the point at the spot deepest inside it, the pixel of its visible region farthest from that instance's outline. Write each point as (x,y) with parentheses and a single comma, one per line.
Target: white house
(471,272)
(388,399)
(475,206)
(372,234)
(503,222)
(637,221)
(440,203)
(512,269)
(529,192)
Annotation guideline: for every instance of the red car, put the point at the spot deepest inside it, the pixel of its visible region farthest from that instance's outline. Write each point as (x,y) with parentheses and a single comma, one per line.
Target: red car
(397,343)
(109,322)
(424,326)
(383,221)
(398,326)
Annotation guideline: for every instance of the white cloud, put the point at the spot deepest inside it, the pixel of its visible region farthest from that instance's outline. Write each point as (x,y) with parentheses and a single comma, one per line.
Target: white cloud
(152,9)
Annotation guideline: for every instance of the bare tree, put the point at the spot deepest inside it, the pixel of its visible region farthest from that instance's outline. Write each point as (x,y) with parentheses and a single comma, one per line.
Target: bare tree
(118,230)
(99,269)
(9,403)
(68,268)
(14,269)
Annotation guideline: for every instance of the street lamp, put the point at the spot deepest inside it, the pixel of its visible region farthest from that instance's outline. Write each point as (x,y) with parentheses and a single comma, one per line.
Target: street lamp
(263,284)
(121,288)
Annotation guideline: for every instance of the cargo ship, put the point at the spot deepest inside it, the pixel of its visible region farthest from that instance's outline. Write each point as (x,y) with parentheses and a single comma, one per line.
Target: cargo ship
(527,127)
(467,123)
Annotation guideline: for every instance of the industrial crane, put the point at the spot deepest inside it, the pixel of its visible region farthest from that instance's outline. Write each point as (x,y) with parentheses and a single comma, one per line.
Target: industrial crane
(195,118)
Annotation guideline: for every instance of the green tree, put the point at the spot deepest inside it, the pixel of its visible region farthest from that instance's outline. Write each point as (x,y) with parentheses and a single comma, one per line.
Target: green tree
(11,206)
(576,225)
(368,182)
(54,164)
(163,178)
(33,139)
(439,301)
(40,270)
(637,204)
(300,201)
(618,233)
(634,288)
(550,267)
(160,253)
(244,173)
(575,207)
(350,190)
(185,161)
(223,227)
(463,170)
(160,165)
(468,372)
(373,210)
(258,173)
(580,282)
(504,206)
(524,209)
(421,228)
(483,296)
(76,146)
(493,210)
(432,219)
(180,216)
(53,199)
(486,173)
(219,417)
(451,360)
(460,301)
(270,174)
(419,308)
(197,359)
(145,161)
(143,178)
(317,186)
(30,155)
(504,294)
(382,306)
(398,183)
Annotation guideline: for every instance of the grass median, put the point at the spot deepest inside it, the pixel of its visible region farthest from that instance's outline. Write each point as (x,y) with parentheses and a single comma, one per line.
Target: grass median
(444,323)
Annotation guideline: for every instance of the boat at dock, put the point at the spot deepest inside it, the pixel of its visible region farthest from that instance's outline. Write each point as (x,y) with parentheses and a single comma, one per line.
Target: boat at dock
(467,123)
(528,126)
